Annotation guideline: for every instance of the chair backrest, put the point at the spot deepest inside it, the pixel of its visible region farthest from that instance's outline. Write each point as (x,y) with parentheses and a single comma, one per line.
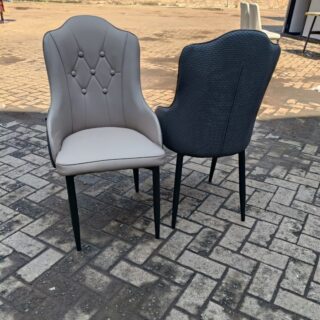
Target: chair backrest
(88,73)
(244,15)
(220,88)
(255,18)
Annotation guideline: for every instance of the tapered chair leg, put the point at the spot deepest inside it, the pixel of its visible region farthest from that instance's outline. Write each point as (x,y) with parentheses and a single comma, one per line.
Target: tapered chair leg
(74,210)
(213,166)
(242,184)
(136,179)
(156,200)
(176,192)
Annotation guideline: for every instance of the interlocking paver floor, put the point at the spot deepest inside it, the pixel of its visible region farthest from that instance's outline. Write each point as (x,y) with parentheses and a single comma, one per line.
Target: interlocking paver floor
(213,266)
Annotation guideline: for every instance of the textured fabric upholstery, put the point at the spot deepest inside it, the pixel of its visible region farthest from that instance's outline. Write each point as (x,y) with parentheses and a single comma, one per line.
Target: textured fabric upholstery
(94,75)
(220,87)
(109,148)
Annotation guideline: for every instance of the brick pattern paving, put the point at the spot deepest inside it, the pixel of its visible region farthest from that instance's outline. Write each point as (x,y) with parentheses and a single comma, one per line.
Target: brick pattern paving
(213,266)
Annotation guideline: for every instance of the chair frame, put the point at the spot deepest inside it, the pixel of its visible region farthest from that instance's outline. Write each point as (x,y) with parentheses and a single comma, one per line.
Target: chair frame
(74,207)
(177,184)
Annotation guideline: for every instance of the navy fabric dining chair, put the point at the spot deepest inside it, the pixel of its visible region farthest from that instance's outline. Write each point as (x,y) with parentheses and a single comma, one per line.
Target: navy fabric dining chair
(220,87)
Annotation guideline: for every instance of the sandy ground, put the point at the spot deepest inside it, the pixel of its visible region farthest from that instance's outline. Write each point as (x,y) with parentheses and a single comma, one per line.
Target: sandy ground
(163,32)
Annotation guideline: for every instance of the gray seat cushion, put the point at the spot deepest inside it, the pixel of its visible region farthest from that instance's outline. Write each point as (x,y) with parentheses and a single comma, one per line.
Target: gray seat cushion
(108,148)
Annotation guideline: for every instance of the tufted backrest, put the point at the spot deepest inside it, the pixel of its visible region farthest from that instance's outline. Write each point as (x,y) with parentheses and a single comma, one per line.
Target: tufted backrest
(220,87)
(91,52)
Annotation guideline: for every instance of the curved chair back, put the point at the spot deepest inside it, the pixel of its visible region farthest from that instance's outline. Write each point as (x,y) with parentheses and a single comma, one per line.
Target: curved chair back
(220,87)
(255,18)
(92,67)
(244,15)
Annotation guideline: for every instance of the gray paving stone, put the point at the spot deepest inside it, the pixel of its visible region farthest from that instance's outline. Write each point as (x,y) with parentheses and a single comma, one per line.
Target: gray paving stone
(264,255)
(38,265)
(284,196)
(297,304)
(262,233)
(263,215)
(314,292)
(230,291)
(169,270)
(141,252)
(215,311)
(232,259)
(303,181)
(258,310)
(111,254)
(4,251)
(260,199)
(312,226)
(175,245)
(201,264)
(94,279)
(306,207)
(33,181)
(16,195)
(234,217)
(297,277)
(209,221)
(177,315)
(132,274)
(289,230)
(211,204)
(12,225)
(287,211)
(24,244)
(190,267)
(309,242)
(44,193)
(282,183)
(293,251)
(196,294)
(157,303)
(306,194)
(6,213)
(234,237)
(265,282)
(204,241)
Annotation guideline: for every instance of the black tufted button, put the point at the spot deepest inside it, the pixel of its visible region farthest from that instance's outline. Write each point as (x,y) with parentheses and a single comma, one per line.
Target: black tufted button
(105,90)
(102,54)
(73,73)
(112,72)
(93,72)
(84,91)
(80,54)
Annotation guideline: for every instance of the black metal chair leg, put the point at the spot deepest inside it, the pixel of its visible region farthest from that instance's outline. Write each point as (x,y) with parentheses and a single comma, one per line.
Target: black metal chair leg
(176,192)
(74,210)
(136,179)
(156,200)
(242,184)
(309,34)
(213,166)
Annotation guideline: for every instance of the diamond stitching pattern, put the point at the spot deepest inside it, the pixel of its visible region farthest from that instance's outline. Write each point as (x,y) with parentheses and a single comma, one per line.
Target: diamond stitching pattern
(83,73)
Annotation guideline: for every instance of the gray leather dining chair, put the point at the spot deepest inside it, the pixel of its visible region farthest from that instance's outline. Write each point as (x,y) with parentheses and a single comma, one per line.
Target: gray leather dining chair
(98,119)
(221,84)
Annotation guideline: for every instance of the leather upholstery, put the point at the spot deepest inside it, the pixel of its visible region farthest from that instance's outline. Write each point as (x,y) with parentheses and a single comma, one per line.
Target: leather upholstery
(102,149)
(244,15)
(94,75)
(220,87)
